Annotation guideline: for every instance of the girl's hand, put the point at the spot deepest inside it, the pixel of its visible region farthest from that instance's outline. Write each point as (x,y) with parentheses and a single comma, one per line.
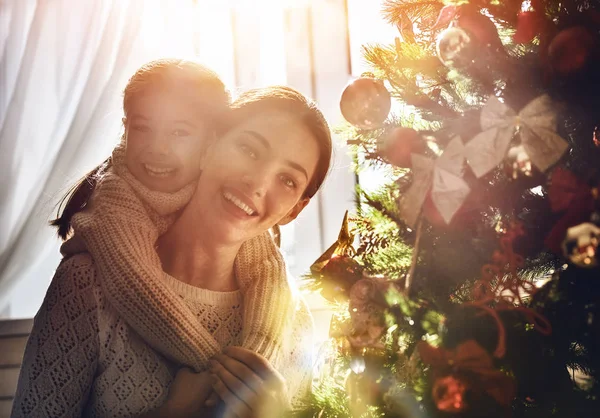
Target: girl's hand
(248,385)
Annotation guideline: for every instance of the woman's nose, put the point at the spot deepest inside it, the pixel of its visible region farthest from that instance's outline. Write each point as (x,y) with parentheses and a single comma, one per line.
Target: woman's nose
(256,182)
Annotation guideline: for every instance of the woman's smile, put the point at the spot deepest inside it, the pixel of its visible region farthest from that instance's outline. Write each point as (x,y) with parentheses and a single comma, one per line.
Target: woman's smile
(238,204)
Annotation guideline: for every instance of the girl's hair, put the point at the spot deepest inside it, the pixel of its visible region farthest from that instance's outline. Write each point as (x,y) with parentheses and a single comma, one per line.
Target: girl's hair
(285,99)
(204,85)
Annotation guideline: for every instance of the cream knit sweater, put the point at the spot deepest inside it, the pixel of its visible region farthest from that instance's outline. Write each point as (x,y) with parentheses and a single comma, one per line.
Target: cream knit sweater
(119,228)
(84,360)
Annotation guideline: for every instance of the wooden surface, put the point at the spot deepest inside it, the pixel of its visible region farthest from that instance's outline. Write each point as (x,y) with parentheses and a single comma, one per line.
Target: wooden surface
(13,338)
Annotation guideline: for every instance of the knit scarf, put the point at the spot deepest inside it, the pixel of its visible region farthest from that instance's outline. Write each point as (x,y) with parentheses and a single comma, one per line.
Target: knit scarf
(119,228)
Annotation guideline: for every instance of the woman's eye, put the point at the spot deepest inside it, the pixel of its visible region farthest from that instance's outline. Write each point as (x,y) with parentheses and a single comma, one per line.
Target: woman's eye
(248,150)
(181,132)
(289,182)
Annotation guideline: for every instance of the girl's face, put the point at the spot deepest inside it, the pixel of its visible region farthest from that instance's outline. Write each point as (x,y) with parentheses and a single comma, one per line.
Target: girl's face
(164,139)
(255,177)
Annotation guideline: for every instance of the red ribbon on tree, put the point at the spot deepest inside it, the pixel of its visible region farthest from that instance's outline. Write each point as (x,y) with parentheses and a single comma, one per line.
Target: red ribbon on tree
(567,193)
(502,285)
(467,367)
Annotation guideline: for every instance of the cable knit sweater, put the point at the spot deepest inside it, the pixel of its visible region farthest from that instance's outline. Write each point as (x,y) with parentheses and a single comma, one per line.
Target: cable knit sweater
(120,226)
(83,359)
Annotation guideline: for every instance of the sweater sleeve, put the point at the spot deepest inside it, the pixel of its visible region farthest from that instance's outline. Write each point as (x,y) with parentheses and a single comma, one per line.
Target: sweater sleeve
(62,352)
(120,234)
(268,299)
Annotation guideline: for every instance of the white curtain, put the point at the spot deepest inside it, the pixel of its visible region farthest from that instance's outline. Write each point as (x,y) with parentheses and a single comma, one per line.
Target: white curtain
(63,66)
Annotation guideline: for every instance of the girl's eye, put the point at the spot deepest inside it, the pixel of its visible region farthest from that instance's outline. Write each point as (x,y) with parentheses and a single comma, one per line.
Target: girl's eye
(181,132)
(289,182)
(141,128)
(248,150)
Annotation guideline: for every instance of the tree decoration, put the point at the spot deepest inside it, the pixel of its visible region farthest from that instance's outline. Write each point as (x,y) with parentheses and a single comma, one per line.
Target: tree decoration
(340,272)
(581,244)
(536,125)
(530,23)
(517,162)
(366,311)
(571,49)
(365,103)
(336,267)
(467,368)
(400,144)
(446,15)
(481,28)
(574,198)
(442,178)
(455,48)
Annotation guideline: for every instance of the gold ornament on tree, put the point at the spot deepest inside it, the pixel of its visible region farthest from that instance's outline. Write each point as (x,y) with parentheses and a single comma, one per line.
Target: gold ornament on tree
(536,125)
(366,103)
(455,48)
(337,269)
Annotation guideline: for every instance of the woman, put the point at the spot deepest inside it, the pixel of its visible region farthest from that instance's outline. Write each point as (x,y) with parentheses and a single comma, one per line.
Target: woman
(82,358)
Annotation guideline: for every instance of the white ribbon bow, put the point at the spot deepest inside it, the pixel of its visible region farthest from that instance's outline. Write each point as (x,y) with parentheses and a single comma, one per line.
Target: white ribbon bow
(536,123)
(443,177)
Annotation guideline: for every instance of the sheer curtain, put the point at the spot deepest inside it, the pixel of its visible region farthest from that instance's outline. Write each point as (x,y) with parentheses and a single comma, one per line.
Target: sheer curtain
(63,65)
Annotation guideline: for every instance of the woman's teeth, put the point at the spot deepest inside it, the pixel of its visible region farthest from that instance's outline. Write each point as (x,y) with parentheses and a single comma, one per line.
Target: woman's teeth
(158,171)
(239,203)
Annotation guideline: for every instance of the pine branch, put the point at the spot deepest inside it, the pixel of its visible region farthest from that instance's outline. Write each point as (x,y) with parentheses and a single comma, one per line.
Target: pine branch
(394,11)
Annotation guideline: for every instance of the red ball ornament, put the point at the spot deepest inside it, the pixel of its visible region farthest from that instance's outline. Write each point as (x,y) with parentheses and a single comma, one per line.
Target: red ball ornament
(480,27)
(571,49)
(400,144)
(449,394)
(529,24)
(366,103)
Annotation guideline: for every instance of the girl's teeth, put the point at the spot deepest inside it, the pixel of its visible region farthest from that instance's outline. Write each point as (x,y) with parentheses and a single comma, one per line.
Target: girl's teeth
(157,171)
(239,203)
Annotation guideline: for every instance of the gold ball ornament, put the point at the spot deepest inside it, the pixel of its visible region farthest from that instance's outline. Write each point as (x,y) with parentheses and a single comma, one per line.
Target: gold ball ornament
(581,244)
(366,103)
(455,48)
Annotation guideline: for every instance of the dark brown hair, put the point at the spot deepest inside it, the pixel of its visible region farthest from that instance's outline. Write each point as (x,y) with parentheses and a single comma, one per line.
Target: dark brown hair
(286,99)
(201,83)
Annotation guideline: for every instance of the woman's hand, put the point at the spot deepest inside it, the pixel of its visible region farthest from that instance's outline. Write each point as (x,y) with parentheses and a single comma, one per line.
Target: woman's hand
(188,393)
(248,385)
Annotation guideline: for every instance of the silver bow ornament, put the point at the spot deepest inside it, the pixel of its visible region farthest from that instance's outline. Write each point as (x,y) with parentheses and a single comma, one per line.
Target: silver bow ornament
(536,125)
(442,177)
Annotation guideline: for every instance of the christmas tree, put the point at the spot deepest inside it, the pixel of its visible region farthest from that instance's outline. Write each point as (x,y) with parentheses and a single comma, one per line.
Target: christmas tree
(469,284)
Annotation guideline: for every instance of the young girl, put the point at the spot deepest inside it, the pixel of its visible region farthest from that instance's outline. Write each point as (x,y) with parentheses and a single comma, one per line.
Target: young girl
(140,191)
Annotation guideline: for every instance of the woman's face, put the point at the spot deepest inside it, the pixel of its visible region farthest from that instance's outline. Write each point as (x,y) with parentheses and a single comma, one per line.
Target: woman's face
(164,140)
(255,177)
